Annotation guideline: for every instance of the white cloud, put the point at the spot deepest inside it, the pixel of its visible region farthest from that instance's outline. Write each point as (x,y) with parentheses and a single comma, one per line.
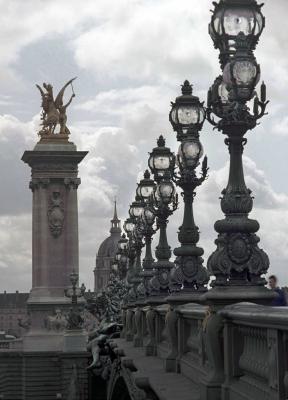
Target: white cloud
(148,41)
(135,53)
(281,126)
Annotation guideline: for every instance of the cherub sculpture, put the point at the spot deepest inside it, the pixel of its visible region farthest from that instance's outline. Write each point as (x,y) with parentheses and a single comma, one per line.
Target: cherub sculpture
(54,111)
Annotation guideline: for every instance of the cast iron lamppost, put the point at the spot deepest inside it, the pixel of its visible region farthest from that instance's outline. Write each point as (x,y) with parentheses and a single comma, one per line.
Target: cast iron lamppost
(148,219)
(121,256)
(144,190)
(238,263)
(144,228)
(135,245)
(130,299)
(74,318)
(187,116)
(129,227)
(74,293)
(135,211)
(162,203)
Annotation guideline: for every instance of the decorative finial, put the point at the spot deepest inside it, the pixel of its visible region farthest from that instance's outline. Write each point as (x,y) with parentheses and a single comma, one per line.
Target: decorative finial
(54,111)
(161,141)
(146,174)
(186,88)
(115,217)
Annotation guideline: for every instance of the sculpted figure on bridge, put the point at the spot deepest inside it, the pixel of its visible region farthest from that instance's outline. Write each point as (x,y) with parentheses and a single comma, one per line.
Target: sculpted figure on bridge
(54,110)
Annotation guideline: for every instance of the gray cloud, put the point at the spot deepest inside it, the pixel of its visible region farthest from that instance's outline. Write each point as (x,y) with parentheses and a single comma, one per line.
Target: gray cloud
(130,58)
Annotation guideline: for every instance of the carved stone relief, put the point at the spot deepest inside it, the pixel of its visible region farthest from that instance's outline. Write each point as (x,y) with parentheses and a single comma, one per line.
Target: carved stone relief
(56,214)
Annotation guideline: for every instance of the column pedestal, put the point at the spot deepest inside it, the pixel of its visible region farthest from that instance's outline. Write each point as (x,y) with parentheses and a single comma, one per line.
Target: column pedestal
(55,248)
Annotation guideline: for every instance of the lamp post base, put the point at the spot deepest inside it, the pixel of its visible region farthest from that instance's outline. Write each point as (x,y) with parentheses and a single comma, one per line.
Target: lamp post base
(225,295)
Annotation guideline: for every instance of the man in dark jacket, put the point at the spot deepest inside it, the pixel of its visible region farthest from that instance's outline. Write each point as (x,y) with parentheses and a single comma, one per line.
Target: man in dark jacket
(280,301)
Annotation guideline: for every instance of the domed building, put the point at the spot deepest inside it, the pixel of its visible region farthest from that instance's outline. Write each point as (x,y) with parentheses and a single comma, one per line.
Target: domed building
(106,253)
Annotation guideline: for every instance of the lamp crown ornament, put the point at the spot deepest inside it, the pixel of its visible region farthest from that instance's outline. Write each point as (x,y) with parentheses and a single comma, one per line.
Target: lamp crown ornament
(147,174)
(187,88)
(161,141)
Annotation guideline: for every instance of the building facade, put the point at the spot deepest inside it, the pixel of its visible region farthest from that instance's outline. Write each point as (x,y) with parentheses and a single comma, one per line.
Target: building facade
(12,309)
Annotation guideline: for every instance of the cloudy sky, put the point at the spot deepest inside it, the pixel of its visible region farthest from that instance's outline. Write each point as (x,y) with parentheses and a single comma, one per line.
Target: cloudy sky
(130,57)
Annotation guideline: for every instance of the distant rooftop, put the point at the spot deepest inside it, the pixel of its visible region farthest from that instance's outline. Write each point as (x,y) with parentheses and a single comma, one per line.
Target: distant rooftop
(13,300)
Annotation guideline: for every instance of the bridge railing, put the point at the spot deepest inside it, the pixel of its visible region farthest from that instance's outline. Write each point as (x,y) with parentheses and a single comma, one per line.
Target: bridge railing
(239,353)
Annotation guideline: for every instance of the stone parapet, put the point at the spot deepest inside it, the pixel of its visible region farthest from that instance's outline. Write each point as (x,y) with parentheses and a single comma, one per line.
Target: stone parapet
(237,352)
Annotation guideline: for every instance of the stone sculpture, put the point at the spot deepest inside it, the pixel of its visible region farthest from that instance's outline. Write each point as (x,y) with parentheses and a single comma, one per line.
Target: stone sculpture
(56,322)
(54,110)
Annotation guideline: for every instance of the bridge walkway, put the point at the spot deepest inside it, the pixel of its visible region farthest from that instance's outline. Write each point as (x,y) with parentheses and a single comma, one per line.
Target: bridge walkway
(166,385)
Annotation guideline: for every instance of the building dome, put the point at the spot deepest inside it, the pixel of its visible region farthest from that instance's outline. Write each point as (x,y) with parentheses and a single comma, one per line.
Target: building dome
(106,253)
(108,247)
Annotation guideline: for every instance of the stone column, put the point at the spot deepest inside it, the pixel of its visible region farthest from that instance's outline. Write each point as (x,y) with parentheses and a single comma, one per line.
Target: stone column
(55,248)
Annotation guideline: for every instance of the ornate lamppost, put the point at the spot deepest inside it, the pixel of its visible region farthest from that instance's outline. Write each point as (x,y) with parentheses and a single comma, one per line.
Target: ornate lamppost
(74,318)
(129,227)
(127,315)
(122,257)
(148,218)
(74,293)
(238,264)
(144,225)
(135,211)
(144,190)
(187,116)
(163,203)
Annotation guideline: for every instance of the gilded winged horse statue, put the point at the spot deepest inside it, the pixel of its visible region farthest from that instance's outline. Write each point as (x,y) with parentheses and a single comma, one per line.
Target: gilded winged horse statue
(54,111)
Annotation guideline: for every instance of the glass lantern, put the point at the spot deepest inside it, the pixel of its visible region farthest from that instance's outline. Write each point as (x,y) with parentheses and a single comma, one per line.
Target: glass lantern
(218,97)
(148,216)
(161,160)
(189,154)
(122,243)
(164,192)
(232,18)
(129,226)
(145,187)
(114,266)
(136,208)
(187,114)
(123,259)
(74,278)
(242,75)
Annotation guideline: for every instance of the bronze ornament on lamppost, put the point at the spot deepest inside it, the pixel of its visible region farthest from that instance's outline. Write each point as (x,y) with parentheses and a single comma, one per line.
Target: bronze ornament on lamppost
(238,263)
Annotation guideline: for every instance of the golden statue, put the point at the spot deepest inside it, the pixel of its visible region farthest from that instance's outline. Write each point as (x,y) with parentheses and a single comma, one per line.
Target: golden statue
(54,111)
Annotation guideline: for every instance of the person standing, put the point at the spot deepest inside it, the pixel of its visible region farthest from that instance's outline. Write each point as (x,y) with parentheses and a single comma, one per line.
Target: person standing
(280,300)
